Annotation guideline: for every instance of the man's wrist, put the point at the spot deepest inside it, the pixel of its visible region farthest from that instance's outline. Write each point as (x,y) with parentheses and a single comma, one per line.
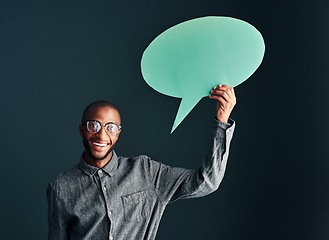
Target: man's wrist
(224,125)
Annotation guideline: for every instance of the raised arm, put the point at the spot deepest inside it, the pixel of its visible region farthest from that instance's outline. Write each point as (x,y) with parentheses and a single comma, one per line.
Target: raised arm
(176,183)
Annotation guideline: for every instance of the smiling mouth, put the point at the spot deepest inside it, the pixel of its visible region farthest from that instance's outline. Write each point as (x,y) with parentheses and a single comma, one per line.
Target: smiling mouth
(100,144)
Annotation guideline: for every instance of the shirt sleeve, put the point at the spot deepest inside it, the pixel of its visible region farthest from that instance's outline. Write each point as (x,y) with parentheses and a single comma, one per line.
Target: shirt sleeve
(57,229)
(172,183)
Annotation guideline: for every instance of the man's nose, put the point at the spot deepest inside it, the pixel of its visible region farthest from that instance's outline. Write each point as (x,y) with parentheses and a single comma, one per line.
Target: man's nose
(102,132)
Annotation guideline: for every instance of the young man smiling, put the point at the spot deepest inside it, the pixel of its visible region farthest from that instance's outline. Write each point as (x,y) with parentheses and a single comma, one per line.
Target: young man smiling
(106,196)
(99,139)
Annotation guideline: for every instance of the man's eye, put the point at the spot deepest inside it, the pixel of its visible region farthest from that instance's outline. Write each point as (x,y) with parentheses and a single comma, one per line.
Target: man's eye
(111,127)
(94,126)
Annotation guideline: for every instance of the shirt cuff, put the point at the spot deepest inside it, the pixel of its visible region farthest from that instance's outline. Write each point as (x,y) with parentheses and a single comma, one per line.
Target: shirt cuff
(223,125)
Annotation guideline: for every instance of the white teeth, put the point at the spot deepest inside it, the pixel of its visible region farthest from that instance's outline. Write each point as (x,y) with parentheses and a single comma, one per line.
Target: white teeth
(100,144)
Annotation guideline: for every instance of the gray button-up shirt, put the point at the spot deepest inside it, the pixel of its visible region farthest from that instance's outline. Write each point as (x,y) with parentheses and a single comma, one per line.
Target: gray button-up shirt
(126,198)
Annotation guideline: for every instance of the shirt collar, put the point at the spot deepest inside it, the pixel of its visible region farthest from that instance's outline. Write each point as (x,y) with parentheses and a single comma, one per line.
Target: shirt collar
(109,168)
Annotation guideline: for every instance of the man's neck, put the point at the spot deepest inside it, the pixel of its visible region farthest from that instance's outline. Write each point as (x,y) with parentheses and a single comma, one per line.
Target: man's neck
(95,162)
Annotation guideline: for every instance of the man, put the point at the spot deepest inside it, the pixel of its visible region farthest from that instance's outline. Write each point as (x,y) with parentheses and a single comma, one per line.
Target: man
(110,197)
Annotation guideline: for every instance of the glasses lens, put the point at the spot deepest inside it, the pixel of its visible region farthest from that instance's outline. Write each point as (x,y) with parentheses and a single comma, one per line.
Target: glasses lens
(112,128)
(93,126)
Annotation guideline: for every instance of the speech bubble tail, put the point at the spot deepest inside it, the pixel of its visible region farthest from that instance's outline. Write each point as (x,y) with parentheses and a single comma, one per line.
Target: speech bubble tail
(186,105)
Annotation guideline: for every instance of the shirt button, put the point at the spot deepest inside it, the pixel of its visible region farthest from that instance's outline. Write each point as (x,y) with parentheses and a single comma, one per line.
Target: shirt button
(110,213)
(104,188)
(111,238)
(100,171)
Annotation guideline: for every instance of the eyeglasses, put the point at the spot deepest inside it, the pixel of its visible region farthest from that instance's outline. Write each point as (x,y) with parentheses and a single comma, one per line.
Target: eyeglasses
(95,126)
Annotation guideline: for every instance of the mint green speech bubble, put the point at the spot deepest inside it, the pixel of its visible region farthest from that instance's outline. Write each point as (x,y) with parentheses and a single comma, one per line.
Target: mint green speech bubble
(189,59)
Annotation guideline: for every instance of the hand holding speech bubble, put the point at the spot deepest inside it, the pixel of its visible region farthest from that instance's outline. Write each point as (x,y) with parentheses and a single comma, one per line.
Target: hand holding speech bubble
(189,59)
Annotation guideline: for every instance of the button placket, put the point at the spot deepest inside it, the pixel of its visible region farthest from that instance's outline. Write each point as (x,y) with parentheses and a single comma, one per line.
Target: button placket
(102,178)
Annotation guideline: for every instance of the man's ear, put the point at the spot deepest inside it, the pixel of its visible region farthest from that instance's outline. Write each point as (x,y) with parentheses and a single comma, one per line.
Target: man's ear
(81,130)
(118,133)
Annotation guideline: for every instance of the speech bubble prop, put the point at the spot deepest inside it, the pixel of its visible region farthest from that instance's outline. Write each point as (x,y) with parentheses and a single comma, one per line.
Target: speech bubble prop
(189,59)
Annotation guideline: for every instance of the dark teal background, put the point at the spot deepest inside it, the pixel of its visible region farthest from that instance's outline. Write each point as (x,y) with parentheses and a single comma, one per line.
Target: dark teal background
(58,56)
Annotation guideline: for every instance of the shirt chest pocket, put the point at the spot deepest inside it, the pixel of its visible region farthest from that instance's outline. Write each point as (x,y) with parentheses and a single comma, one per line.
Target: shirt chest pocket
(135,206)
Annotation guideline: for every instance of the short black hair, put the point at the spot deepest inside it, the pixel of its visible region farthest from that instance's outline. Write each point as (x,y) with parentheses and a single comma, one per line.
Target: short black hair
(100,103)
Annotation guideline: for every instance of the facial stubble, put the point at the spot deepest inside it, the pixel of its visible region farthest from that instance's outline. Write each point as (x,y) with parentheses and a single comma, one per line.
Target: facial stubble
(89,151)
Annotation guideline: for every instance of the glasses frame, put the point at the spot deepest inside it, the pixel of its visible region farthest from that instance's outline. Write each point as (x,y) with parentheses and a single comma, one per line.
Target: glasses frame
(102,125)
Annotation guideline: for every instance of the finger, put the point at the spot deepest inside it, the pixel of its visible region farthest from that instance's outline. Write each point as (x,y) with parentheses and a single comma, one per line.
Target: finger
(216,97)
(222,103)
(224,88)
(229,91)
(223,100)
(222,93)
